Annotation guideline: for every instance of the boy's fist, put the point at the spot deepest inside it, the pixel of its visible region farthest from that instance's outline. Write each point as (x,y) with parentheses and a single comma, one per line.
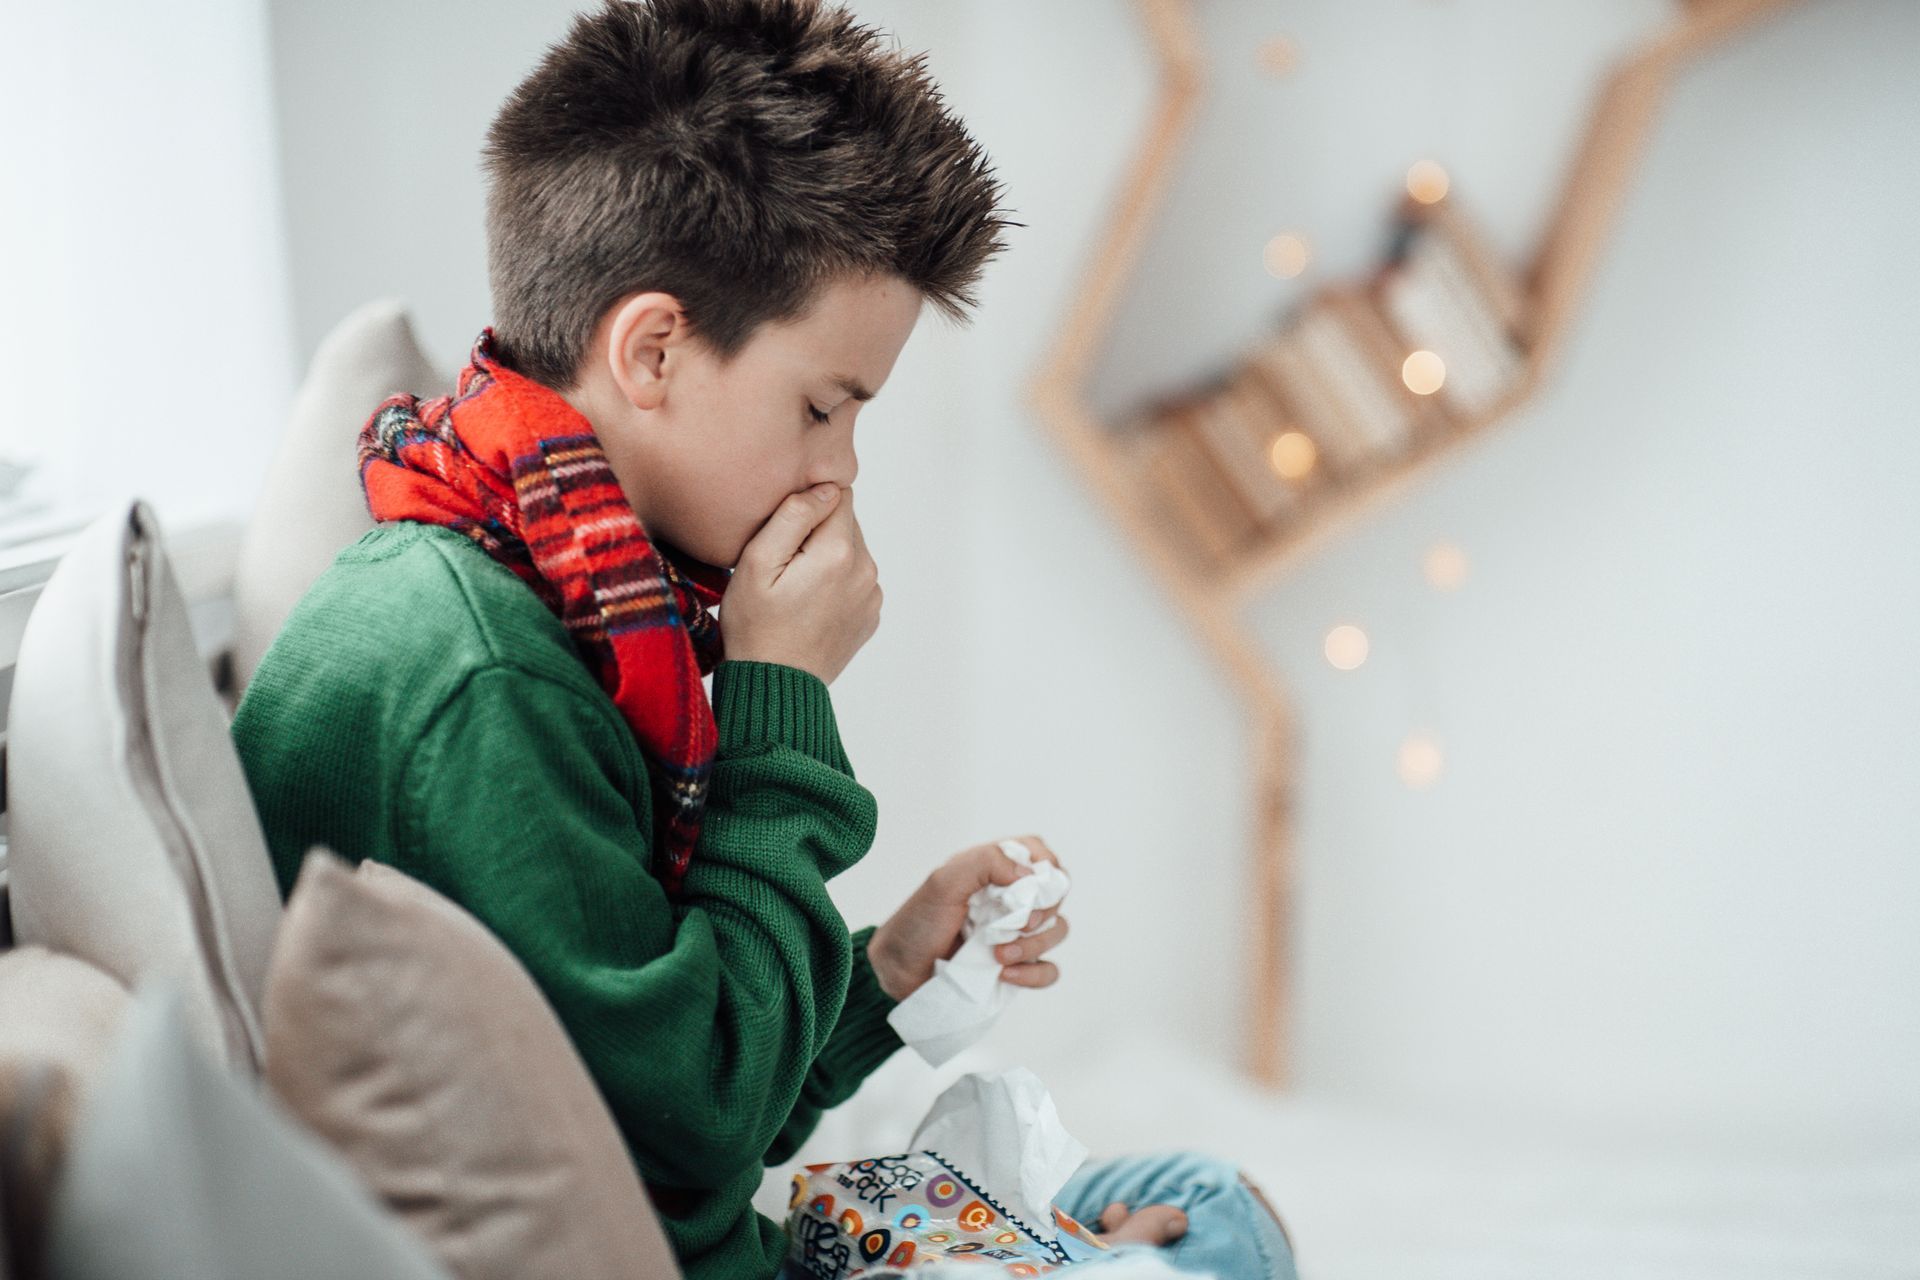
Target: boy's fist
(928,926)
(805,593)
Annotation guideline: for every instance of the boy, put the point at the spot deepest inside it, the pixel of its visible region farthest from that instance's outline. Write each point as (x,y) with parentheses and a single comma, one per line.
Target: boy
(711,227)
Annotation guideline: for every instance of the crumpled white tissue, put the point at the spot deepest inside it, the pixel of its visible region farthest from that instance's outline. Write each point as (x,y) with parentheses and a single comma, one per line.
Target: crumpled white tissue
(1003,1130)
(956,1006)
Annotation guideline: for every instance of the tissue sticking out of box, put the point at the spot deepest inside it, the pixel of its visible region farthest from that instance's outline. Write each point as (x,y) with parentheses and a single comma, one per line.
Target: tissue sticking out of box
(1003,1129)
(956,1006)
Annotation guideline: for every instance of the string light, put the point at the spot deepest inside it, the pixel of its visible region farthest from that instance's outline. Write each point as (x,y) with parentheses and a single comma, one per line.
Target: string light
(1420,761)
(1427,182)
(1346,647)
(1278,56)
(1423,372)
(1286,256)
(1292,454)
(1446,566)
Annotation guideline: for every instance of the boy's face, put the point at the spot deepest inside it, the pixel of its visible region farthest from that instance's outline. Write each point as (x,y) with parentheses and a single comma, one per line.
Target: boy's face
(705,452)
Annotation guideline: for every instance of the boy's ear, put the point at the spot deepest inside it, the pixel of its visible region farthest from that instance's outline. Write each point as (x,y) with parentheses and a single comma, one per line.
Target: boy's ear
(645,336)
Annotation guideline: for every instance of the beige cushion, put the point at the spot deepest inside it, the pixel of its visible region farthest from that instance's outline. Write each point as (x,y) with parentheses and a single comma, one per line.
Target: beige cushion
(134,844)
(58,1016)
(402,1031)
(311,505)
(178,1168)
(58,1009)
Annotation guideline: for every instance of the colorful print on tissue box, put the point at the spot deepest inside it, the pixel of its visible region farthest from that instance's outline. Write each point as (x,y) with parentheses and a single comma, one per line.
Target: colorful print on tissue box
(903,1210)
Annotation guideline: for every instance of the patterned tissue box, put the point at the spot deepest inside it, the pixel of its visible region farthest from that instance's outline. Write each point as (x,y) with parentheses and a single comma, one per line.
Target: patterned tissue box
(868,1217)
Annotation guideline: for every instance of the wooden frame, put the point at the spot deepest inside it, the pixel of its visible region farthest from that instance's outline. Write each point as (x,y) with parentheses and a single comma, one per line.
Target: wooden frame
(1553,283)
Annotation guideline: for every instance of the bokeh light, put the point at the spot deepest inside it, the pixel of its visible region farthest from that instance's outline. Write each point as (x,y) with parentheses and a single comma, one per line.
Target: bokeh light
(1445,566)
(1427,182)
(1279,55)
(1420,761)
(1292,454)
(1286,256)
(1346,647)
(1423,372)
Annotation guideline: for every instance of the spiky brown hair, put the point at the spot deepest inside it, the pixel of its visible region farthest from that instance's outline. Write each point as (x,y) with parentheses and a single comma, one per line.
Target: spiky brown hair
(738,154)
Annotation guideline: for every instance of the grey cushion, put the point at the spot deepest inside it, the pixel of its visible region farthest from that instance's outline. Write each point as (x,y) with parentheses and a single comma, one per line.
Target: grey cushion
(180,1169)
(134,842)
(311,505)
(9,1270)
(6,913)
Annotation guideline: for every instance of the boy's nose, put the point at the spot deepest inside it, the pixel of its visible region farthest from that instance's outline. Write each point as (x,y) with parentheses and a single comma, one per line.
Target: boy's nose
(841,469)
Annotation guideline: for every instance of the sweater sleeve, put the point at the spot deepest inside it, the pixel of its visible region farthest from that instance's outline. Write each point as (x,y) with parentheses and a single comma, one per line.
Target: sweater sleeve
(861,1041)
(525,801)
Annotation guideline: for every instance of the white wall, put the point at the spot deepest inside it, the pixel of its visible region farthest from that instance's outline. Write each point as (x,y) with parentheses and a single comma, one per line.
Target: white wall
(1662,880)
(1323,151)
(1668,876)
(144,308)
(383,110)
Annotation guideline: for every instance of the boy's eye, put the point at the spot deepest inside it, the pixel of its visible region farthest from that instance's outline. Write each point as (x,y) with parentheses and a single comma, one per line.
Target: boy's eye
(818,416)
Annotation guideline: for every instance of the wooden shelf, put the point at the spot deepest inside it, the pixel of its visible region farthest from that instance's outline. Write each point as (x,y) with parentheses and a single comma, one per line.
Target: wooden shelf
(1329,383)
(1141,474)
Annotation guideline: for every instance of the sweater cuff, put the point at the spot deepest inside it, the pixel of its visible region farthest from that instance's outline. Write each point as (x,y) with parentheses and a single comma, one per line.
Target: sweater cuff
(863,1038)
(769,702)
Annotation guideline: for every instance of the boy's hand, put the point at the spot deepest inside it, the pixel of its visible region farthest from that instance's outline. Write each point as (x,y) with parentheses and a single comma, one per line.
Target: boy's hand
(927,926)
(805,592)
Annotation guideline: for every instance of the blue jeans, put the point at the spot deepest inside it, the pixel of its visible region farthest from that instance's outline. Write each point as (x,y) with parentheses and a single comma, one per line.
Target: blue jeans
(1230,1233)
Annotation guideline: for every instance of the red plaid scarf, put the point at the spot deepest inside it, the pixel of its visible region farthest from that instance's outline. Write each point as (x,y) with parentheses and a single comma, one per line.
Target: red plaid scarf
(509,463)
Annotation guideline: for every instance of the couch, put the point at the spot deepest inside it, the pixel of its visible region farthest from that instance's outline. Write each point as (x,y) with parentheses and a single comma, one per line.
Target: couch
(196,1081)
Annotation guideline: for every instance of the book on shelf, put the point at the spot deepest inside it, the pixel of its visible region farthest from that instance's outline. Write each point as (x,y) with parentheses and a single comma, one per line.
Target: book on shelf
(1495,280)
(1333,372)
(1186,488)
(1385,353)
(1265,402)
(1237,435)
(1442,292)
(1340,363)
(1267,417)
(1287,376)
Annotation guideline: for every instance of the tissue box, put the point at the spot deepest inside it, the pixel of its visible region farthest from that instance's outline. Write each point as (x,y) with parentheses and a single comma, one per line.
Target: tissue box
(893,1212)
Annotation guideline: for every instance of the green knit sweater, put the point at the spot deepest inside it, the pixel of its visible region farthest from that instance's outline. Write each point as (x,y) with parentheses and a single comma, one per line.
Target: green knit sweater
(423,707)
